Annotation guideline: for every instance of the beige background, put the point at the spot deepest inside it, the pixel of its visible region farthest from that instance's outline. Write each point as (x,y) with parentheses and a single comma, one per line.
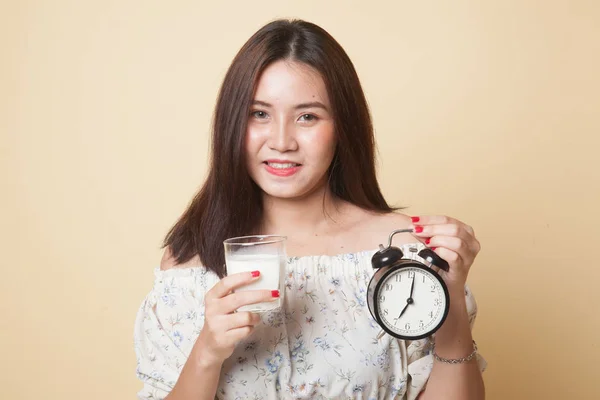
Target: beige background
(484,110)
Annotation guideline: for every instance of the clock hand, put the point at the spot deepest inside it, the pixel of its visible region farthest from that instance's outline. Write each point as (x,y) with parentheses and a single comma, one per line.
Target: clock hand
(409,300)
(412,286)
(403,310)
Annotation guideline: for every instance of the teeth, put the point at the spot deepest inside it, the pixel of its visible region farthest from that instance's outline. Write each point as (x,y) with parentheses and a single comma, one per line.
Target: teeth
(282,165)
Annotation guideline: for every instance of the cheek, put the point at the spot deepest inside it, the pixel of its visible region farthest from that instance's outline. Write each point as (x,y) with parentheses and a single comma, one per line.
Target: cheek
(253,142)
(322,144)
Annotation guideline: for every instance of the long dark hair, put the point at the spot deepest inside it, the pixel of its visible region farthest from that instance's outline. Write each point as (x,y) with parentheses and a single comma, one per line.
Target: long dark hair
(230,203)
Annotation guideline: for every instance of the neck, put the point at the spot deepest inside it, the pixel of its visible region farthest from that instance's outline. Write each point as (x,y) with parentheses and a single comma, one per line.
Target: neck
(308,215)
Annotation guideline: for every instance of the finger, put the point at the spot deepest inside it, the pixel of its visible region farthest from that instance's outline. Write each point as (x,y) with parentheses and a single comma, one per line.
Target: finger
(232,302)
(464,244)
(469,229)
(239,320)
(433,220)
(442,230)
(235,335)
(452,257)
(230,283)
(453,243)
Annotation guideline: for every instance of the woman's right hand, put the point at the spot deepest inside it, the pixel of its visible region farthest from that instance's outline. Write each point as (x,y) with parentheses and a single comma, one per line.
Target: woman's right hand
(223,327)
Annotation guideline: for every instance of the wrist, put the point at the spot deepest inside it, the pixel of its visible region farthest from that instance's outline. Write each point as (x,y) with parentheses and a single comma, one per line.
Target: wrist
(208,362)
(457,359)
(456,290)
(453,339)
(204,359)
(456,324)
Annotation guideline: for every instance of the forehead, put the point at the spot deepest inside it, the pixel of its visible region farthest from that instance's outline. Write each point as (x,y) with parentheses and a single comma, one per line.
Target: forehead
(289,83)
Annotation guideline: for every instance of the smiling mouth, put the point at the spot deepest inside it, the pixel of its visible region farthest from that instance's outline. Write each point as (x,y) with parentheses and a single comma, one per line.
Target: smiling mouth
(279,165)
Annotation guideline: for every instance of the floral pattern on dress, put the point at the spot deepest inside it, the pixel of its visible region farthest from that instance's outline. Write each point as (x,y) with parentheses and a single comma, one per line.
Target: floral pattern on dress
(320,345)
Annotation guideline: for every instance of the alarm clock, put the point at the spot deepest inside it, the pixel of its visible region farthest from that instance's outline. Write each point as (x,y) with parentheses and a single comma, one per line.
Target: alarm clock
(405,295)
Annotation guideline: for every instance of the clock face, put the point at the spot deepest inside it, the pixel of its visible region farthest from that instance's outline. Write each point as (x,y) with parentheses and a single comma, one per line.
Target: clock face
(411,302)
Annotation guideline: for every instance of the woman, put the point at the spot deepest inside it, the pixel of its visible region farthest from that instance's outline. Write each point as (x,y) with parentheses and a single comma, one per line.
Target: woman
(293,154)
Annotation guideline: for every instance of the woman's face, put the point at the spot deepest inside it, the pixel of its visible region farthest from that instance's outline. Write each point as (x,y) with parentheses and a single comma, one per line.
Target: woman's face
(290,141)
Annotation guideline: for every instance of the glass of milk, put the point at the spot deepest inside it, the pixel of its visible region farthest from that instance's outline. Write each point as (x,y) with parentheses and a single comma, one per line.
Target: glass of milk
(264,253)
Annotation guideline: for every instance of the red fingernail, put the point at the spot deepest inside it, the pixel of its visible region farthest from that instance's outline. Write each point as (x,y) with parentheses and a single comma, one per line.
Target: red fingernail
(418,229)
(428,240)
(275,293)
(415,219)
(433,248)
(255,274)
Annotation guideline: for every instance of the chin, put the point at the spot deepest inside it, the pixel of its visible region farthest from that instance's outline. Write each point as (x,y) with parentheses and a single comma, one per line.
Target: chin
(290,191)
(293,189)
(286,193)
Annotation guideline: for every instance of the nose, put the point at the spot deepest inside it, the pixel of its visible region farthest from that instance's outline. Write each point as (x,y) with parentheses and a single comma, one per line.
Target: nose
(282,137)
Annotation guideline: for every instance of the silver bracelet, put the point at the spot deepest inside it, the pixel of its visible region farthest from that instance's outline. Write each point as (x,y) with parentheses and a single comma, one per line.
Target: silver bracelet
(454,360)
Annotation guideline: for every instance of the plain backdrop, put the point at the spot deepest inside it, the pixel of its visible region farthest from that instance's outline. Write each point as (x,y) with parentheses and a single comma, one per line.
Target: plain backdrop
(484,110)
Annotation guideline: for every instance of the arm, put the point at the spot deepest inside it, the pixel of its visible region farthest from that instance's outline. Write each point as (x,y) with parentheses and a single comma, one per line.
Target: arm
(198,379)
(166,369)
(453,340)
(223,329)
(456,244)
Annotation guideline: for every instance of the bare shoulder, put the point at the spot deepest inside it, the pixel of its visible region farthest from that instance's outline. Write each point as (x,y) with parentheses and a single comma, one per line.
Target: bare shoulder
(372,228)
(385,223)
(168,261)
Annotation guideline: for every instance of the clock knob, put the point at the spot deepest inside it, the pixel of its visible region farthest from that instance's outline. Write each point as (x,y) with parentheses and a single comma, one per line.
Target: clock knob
(432,257)
(386,257)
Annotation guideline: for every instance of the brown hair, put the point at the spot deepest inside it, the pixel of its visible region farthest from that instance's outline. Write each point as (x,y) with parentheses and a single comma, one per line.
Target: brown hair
(230,203)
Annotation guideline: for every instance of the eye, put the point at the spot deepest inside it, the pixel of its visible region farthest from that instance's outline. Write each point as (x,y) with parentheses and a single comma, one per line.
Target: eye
(259,114)
(308,118)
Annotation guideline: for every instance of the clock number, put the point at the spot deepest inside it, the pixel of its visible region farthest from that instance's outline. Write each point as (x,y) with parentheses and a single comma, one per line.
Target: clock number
(382,298)
(385,311)
(388,287)
(423,278)
(436,302)
(411,274)
(407,326)
(431,314)
(421,324)
(432,288)
(398,278)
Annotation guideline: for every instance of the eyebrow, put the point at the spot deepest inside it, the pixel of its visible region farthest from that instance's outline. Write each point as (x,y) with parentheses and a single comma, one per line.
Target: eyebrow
(313,104)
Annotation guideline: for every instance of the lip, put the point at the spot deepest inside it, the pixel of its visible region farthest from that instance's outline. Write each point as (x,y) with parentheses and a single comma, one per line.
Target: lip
(279,161)
(281,171)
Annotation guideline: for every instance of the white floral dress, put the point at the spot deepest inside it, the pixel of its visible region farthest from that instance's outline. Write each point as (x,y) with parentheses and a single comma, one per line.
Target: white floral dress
(321,345)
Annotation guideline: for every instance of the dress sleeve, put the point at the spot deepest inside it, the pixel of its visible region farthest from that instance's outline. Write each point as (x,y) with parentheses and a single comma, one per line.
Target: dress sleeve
(167,325)
(420,358)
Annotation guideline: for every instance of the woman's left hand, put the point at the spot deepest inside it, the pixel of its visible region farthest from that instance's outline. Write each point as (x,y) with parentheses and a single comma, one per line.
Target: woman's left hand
(453,241)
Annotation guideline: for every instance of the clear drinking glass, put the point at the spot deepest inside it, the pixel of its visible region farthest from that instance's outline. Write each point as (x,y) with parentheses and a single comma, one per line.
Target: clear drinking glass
(264,253)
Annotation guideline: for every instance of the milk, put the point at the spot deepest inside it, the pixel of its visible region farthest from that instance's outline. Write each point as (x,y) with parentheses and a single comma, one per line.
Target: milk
(272,270)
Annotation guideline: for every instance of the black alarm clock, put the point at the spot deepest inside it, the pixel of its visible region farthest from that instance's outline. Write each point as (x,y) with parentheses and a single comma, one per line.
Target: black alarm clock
(407,298)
